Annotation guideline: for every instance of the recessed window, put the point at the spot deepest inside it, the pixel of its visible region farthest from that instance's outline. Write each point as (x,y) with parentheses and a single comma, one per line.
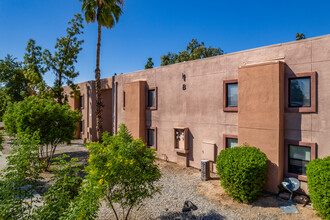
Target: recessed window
(300,92)
(81,128)
(230,141)
(297,155)
(151,137)
(152,98)
(230,95)
(81,101)
(124,100)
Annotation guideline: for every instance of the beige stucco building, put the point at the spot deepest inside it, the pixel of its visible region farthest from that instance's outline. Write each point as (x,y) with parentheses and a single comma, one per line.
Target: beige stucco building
(276,98)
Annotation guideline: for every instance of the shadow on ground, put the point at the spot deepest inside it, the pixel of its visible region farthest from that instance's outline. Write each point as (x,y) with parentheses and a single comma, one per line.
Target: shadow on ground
(211,215)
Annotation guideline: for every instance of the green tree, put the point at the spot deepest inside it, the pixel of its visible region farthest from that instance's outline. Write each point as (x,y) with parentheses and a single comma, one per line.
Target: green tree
(194,51)
(106,13)
(121,170)
(149,64)
(300,36)
(12,79)
(55,123)
(34,67)
(64,58)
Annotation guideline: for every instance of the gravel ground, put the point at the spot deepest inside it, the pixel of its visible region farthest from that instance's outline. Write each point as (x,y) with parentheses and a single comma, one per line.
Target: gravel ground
(181,184)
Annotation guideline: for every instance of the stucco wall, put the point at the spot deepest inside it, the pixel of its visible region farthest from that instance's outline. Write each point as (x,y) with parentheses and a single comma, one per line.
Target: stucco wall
(200,106)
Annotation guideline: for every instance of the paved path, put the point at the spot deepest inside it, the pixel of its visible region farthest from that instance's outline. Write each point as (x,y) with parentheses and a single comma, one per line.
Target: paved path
(3,161)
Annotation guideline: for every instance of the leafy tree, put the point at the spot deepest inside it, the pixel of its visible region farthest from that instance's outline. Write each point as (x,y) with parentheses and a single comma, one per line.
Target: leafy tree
(149,64)
(18,80)
(12,79)
(121,170)
(2,139)
(19,181)
(194,51)
(63,60)
(55,123)
(106,13)
(300,36)
(34,67)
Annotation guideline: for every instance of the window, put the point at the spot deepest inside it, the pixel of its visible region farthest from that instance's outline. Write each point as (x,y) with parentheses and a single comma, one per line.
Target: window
(151,137)
(297,156)
(301,92)
(81,101)
(230,141)
(230,95)
(152,98)
(124,100)
(81,124)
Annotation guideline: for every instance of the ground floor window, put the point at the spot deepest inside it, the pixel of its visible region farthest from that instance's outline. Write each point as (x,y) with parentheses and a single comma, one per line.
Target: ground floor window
(297,155)
(230,141)
(151,137)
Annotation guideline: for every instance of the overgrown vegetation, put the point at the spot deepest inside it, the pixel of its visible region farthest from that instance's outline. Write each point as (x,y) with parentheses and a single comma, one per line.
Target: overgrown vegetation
(121,170)
(19,181)
(194,51)
(243,172)
(2,140)
(54,123)
(318,174)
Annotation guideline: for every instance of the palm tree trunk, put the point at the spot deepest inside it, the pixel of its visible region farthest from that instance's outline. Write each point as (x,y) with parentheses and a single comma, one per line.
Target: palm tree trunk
(99,104)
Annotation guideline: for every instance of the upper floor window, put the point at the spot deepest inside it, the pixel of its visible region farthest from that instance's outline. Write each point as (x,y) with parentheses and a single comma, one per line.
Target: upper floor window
(152,98)
(230,95)
(300,90)
(81,101)
(124,100)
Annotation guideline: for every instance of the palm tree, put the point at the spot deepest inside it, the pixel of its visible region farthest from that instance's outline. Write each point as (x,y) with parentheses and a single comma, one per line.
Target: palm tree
(106,13)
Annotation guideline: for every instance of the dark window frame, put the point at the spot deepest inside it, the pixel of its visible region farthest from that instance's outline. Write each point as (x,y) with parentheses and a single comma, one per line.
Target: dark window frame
(81,102)
(156,98)
(124,100)
(225,137)
(312,107)
(225,107)
(311,145)
(155,138)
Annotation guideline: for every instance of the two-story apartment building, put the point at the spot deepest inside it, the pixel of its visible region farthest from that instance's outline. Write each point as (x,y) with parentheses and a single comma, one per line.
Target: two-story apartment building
(276,98)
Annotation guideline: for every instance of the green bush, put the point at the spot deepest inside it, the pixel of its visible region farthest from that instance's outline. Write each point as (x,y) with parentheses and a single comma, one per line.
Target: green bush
(2,140)
(54,123)
(242,172)
(318,174)
(121,170)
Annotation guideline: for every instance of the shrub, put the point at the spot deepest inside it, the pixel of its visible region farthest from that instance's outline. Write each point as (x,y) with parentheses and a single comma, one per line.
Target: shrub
(55,123)
(2,140)
(65,188)
(19,181)
(121,170)
(318,174)
(242,172)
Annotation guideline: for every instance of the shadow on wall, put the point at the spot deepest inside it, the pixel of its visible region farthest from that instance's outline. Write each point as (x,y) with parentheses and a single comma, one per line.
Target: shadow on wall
(211,215)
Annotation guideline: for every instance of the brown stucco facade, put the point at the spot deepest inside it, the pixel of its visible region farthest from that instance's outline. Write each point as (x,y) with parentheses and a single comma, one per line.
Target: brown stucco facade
(190,97)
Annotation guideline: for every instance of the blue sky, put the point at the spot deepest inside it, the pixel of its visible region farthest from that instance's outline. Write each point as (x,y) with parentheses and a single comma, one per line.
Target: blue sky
(151,28)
